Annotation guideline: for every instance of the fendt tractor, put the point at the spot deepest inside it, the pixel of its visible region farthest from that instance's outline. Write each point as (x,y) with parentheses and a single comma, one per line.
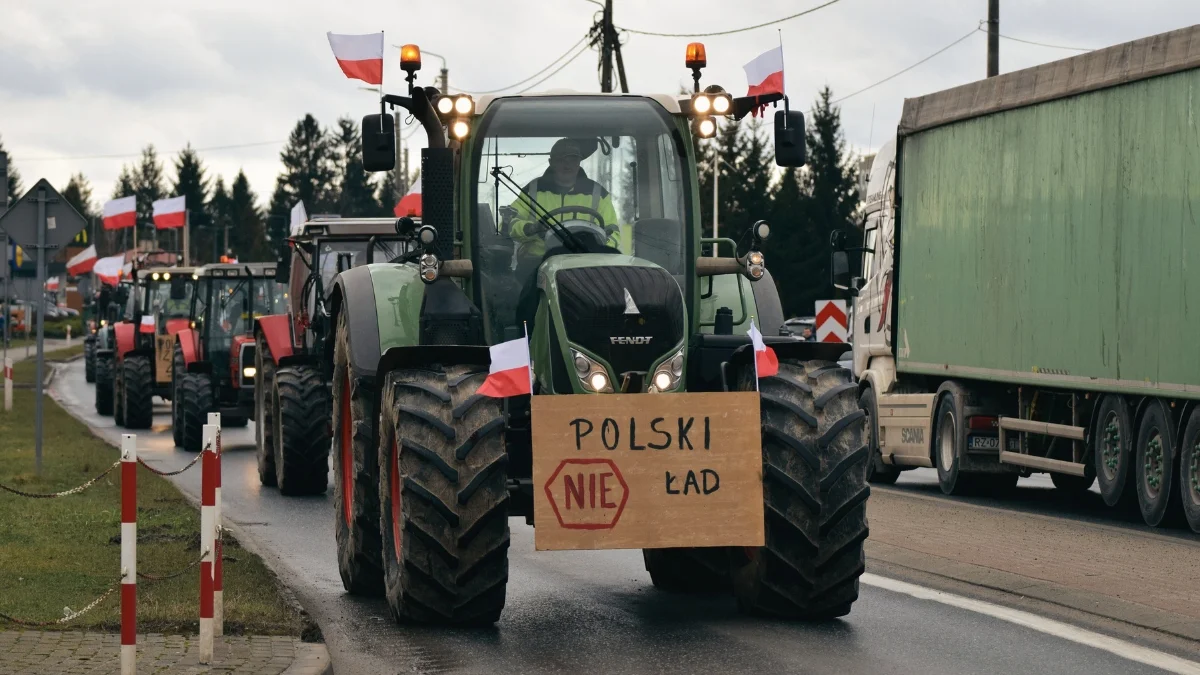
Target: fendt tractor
(634,333)
(1024,301)
(213,358)
(156,309)
(294,355)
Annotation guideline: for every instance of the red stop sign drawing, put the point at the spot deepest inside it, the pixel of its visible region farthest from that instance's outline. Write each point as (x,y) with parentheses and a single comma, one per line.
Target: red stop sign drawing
(587,494)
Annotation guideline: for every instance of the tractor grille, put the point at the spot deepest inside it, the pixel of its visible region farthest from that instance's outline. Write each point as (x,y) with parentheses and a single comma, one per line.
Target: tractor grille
(593,305)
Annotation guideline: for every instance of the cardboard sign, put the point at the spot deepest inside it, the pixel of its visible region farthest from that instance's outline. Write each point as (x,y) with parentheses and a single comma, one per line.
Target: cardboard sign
(647,471)
(164,351)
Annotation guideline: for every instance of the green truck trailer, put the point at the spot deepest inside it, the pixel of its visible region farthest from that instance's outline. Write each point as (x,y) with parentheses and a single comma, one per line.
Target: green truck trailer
(1030,299)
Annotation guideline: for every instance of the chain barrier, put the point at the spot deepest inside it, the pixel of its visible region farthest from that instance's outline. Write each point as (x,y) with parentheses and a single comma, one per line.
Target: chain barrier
(68,617)
(171,473)
(64,493)
(163,577)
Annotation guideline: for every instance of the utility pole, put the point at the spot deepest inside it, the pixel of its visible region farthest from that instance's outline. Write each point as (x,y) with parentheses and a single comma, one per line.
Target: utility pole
(605,33)
(993,33)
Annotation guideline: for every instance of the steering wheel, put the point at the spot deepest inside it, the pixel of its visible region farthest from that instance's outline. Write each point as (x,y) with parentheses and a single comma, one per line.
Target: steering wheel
(587,211)
(594,230)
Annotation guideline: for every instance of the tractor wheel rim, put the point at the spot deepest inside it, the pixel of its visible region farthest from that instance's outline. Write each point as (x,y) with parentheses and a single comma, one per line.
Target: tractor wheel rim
(946,440)
(1110,446)
(1153,469)
(395,494)
(347,451)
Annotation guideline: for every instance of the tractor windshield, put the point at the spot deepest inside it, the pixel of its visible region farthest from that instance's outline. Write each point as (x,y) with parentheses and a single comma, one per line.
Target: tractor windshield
(329,250)
(171,298)
(612,169)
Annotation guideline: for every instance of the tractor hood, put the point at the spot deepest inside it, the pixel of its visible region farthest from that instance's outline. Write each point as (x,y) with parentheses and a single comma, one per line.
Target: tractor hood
(625,313)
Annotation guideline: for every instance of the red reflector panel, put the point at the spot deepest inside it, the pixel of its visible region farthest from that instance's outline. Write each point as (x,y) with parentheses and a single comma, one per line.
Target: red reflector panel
(980,423)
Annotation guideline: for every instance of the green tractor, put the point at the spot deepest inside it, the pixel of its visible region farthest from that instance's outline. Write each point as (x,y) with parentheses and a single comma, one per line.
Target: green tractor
(428,469)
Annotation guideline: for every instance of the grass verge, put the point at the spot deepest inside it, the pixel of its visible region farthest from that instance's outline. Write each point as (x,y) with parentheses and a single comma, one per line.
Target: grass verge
(65,552)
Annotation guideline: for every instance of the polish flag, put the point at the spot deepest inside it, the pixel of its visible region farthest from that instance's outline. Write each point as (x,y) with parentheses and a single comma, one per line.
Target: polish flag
(169,213)
(510,373)
(360,56)
(120,213)
(410,204)
(82,262)
(147,325)
(766,363)
(109,269)
(52,284)
(765,73)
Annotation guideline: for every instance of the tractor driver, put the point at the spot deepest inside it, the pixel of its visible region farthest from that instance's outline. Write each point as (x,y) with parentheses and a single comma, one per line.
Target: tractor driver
(564,184)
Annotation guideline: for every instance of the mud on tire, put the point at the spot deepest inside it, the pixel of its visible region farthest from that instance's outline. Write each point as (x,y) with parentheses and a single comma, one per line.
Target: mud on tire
(301,431)
(815,491)
(137,373)
(196,401)
(443,497)
(104,385)
(355,472)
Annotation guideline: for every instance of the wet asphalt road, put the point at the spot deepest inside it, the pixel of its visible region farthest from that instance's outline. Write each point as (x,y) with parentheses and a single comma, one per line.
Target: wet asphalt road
(593,611)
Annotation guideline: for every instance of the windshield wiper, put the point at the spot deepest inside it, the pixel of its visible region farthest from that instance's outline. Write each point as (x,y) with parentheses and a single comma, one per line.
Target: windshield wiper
(566,236)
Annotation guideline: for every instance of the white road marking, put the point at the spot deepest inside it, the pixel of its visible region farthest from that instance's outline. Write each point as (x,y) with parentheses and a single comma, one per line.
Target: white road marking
(1126,650)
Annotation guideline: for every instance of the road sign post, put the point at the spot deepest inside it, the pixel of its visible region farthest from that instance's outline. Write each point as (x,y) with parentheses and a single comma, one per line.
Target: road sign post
(43,221)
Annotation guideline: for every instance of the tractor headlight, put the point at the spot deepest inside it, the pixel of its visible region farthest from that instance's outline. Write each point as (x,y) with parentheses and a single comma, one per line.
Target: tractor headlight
(755,258)
(705,127)
(463,105)
(755,265)
(591,374)
(721,104)
(103,322)
(445,105)
(701,104)
(166,276)
(249,372)
(668,374)
(460,129)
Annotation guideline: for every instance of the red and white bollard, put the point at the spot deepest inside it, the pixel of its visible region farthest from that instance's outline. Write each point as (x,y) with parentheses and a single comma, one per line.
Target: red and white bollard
(7,384)
(128,554)
(208,488)
(218,599)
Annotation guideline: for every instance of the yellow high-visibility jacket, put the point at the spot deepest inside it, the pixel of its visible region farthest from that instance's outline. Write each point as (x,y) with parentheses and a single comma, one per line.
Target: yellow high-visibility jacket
(550,196)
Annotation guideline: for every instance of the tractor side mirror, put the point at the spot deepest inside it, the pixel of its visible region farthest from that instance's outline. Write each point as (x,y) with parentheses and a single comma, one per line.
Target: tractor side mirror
(283,267)
(840,271)
(378,143)
(789,138)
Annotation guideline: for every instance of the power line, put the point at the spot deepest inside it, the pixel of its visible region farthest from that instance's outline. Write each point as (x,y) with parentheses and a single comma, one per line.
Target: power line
(898,74)
(136,155)
(555,71)
(730,32)
(517,84)
(1043,44)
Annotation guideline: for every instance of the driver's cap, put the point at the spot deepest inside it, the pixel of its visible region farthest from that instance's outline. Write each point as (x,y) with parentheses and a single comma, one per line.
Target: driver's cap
(566,147)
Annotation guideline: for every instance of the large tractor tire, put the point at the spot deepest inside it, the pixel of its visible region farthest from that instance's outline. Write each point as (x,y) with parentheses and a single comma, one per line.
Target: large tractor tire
(301,430)
(815,490)
(443,497)
(178,369)
(118,392)
(688,570)
(89,360)
(355,472)
(104,385)
(137,376)
(264,413)
(195,402)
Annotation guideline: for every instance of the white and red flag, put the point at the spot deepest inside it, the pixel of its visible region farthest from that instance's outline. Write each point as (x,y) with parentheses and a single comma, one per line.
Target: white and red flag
(120,213)
(170,213)
(109,269)
(360,56)
(52,284)
(765,73)
(410,204)
(766,363)
(510,373)
(147,325)
(82,262)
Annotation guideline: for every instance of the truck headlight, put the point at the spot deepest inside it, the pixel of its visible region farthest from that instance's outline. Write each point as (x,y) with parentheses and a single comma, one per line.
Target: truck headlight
(591,374)
(668,374)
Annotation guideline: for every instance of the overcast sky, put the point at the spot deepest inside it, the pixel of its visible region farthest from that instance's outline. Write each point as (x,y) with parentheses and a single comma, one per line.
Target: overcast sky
(80,78)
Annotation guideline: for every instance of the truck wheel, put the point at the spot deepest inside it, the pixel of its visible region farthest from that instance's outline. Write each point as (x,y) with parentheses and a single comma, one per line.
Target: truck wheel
(1189,471)
(1072,486)
(688,570)
(1156,467)
(1113,437)
(355,472)
(104,385)
(947,448)
(178,369)
(118,392)
(815,491)
(877,472)
(196,401)
(89,361)
(301,431)
(137,379)
(264,413)
(443,497)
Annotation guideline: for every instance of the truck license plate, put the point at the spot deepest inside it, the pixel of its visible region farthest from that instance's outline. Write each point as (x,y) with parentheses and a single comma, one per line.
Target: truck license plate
(992,443)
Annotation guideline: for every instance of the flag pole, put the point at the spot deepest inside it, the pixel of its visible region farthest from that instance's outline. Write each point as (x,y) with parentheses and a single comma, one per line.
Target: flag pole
(525,328)
(783,77)
(754,352)
(187,217)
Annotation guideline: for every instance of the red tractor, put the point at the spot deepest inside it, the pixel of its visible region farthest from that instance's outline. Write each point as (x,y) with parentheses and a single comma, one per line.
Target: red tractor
(214,357)
(295,353)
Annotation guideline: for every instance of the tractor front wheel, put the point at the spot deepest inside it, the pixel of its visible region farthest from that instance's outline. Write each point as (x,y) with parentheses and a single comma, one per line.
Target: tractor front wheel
(118,392)
(355,472)
(137,376)
(301,431)
(815,491)
(178,368)
(443,488)
(196,401)
(89,360)
(104,385)
(264,413)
